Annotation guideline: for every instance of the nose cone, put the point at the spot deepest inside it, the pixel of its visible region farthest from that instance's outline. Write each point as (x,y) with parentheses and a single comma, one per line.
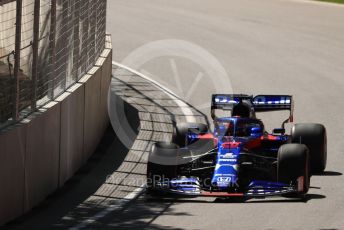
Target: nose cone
(226,170)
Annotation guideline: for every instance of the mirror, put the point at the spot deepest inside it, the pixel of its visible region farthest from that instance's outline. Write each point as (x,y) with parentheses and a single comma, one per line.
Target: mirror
(279,131)
(256,131)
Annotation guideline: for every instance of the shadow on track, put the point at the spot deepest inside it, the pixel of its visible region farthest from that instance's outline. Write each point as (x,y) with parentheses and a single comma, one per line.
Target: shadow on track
(329,173)
(307,198)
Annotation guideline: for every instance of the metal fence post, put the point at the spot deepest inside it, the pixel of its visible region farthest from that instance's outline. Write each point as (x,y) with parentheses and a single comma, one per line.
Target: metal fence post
(76,42)
(52,39)
(85,34)
(92,31)
(63,37)
(17,60)
(35,53)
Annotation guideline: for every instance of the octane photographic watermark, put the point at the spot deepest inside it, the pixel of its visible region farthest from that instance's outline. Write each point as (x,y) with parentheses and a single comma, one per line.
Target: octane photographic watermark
(163,181)
(187,70)
(125,181)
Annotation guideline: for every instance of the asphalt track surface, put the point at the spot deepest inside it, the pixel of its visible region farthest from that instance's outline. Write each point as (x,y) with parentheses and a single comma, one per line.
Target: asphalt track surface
(265,46)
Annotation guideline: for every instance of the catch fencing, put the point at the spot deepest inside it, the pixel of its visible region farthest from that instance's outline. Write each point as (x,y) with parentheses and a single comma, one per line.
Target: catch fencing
(45,47)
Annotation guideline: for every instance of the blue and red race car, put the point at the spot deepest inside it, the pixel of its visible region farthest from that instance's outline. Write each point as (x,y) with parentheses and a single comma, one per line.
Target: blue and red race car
(239,158)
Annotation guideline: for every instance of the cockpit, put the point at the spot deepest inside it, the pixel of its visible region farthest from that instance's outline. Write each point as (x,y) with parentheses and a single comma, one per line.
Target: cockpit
(238,127)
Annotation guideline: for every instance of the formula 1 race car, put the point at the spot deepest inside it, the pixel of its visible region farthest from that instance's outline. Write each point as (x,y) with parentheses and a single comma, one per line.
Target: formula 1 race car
(239,158)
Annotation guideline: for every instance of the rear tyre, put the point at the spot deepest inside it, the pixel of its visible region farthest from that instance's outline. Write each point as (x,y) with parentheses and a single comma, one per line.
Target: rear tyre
(182,129)
(293,166)
(314,137)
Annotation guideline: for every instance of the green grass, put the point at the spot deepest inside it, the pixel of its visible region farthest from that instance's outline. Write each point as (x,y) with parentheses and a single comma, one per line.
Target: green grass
(334,1)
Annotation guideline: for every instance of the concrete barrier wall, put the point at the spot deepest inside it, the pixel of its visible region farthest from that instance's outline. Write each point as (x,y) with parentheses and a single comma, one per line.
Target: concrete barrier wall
(12,172)
(42,152)
(72,130)
(92,124)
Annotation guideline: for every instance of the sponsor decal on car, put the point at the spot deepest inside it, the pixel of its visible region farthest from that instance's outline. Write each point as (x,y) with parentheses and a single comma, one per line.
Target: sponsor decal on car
(228,155)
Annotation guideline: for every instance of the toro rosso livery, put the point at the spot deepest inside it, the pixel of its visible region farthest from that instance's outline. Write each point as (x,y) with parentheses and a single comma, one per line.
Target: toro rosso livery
(239,158)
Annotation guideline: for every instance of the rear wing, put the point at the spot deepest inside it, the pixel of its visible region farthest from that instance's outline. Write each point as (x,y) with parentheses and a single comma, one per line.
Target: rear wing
(265,103)
(228,101)
(260,103)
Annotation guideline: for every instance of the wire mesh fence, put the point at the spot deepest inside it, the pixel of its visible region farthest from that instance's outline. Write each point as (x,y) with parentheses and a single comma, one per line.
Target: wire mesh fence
(45,47)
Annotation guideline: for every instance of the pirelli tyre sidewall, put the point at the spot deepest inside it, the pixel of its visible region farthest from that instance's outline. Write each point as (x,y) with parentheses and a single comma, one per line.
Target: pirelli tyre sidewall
(293,166)
(315,138)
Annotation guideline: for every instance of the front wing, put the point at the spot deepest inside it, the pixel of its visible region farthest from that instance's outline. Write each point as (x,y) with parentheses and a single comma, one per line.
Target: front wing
(191,187)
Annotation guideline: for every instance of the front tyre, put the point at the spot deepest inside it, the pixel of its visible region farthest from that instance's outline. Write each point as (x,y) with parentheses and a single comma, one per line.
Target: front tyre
(162,164)
(293,166)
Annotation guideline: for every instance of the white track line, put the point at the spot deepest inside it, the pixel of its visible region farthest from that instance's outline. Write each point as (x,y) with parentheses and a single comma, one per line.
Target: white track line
(320,3)
(114,207)
(183,106)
